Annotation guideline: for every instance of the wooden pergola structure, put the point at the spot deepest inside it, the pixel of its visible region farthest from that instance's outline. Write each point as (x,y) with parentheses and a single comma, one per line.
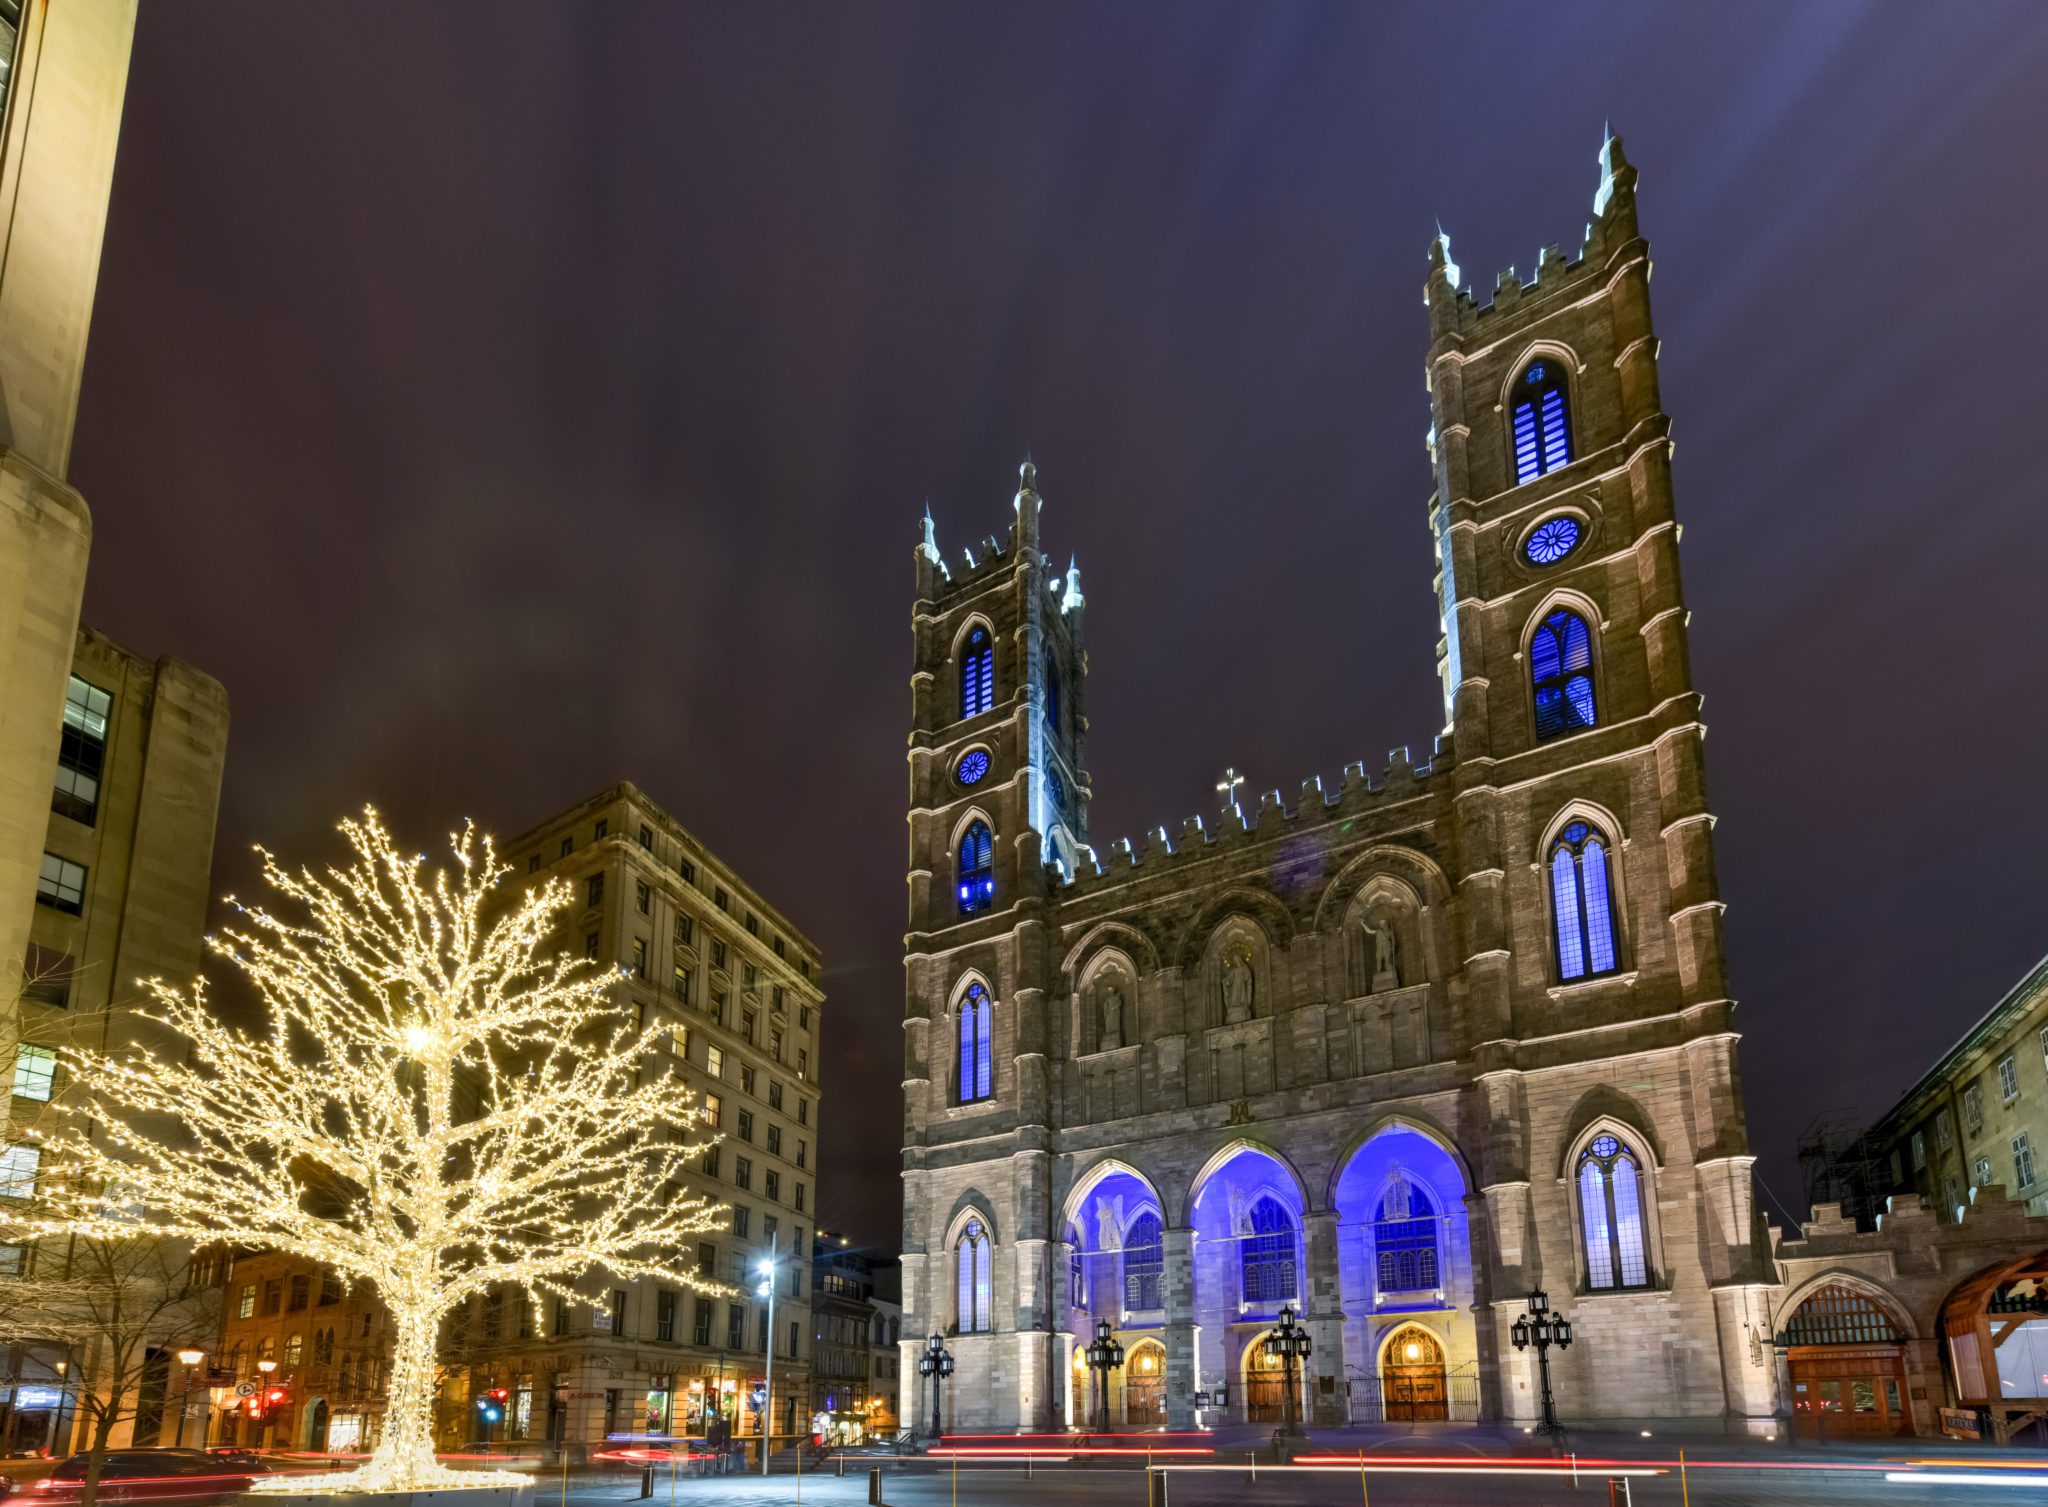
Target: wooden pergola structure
(1984,1313)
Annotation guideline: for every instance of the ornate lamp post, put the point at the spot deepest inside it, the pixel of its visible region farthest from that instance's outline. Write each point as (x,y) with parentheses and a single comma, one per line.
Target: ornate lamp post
(187,1359)
(937,1363)
(1104,1356)
(1290,1343)
(1542,1328)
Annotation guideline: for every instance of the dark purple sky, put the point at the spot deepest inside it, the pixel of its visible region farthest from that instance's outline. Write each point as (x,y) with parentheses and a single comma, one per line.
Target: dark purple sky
(503,399)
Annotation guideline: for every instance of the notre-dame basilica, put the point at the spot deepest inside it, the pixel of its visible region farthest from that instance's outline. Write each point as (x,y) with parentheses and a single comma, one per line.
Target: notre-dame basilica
(1391,1054)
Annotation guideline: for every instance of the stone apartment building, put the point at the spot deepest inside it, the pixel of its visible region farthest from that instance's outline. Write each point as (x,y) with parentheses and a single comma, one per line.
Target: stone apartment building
(316,1349)
(738,989)
(858,1316)
(1390,1053)
(110,761)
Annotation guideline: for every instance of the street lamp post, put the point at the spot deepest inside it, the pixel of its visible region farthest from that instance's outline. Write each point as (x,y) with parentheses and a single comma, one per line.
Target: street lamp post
(1290,1342)
(937,1363)
(1104,1356)
(188,1359)
(1542,1328)
(767,1290)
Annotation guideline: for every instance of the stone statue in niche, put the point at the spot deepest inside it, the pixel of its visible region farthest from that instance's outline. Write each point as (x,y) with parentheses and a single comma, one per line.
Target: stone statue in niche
(1110,1004)
(1239,986)
(1386,957)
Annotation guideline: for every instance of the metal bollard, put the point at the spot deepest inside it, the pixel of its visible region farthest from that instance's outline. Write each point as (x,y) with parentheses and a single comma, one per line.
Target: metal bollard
(875,1485)
(1617,1492)
(647,1481)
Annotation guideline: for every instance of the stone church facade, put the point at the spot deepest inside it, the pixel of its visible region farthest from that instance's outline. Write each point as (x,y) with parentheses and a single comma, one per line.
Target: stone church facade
(1392,1053)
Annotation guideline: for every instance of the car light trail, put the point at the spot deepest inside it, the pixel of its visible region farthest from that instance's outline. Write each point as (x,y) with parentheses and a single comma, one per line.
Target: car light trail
(1995,1477)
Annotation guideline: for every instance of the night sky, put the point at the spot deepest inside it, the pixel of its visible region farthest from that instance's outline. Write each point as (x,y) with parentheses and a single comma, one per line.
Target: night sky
(505,399)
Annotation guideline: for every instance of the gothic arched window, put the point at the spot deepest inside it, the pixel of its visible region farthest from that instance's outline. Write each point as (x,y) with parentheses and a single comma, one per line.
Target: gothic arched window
(1542,425)
(1404,1238)
(977,1075)
(1611,1216)
(1561,669)
(1077,1270)
(977,674)
(971,1258)
(1268,1254)
(977,869)
(1052,694)
(1583,901)
(1143,1265)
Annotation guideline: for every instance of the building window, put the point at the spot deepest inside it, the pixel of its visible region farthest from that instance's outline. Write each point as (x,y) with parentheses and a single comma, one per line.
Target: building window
(750,977)
(1552,540)
(977,674)
(1919,1149)
(1561,672)
(714,1111)
(682,980)
(2023,1161)
(743,1173)
(1611,1216)
(1267,1255)
(774,1094)
(1144,1265)
(1404,1239)
(711,1160)
(1953,1191)
(714,1061)
(773,1185)
(639,958)
(742,1220)
(294,1350)
(735,1326)
(803,1151)
(245,1308)
(1944,1131)
(977,1061)
(46,976)
(799,1198)
(700,1325)
(753,924)
(717,953)
(1583,903)
(687,869)
(18,1168)
(775,1140)
(302,1293)
(568,846)
(977,869)
(1077,1270)
(273,1296)
(803,1062)
(747,1125)
(775,1044)
(1542,424)
(595,886)
(2008,1078)
(82,752)
(590,944)
(746,1079)
(1983,1171)
(618,1313)
(62,885)
(1052,694)
(647,837)
(35,1071)
(533,863)
(720,898)
(971,1259)
(604,827)
(1973,1108)
(803,1111)
(643,897)
(686,931)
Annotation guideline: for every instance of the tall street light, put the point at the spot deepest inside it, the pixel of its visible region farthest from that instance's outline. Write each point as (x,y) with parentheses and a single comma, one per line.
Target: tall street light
(1104,1356)
(937,1363)
(767,1290)
(1542,1328)
(188,1359)
(1290,1342)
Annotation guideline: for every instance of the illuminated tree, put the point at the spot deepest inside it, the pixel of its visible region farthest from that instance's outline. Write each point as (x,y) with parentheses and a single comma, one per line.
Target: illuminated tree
(436,1103)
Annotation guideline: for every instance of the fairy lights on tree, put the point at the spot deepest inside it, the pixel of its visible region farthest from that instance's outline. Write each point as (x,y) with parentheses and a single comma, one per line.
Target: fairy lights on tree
(438,1103)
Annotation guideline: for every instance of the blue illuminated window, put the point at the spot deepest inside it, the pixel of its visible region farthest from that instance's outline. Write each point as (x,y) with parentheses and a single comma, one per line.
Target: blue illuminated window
(1583,901)
(1056,788)
(1542,425)
(977,674)
(1268,1254)
(1052,694)
(1404,1239)
(973,767)
(977,1055)
(1611,1216)
(1144,1265)
(977,869)
(1553,540)
(972,1299)
(1561,669)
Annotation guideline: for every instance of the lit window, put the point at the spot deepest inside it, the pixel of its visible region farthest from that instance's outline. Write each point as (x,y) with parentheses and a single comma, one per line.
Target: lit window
(62,885)
(682,984)
(714,1062)
(1983,1171)
(973,766)
(1404,1239)
(977,674)
(1542,426)
(1144,1265)
(1561,672)
(18,1168)
(2008,1078)
(294,1348)
(82,752)
(1583,902)
(714,1111)
(1553,539)
(977,869)
(1268,1254)
(1611,1216)
(977,1058)
(972,1296)
(35,1069)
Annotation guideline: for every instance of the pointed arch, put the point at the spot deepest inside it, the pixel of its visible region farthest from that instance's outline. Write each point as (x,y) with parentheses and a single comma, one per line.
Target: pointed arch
(1538,402)
(1613,1193)
(1561,652)
(1385,1352)
(1259,907)
(974,653)
(1896,1312)
(1228,1152)
(1586,892)
(1419,874)
(972,1013)
(974,875)
(1406,1119)
(1121,934)
(1099,1173)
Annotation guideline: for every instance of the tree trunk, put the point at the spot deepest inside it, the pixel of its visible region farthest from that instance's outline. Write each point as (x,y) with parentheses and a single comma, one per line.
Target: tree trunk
(96,1453)
(404,1457)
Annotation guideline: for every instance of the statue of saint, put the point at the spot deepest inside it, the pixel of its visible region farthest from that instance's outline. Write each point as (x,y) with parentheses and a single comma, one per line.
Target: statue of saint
(1111,1001)
(1238,987)
(1386,953)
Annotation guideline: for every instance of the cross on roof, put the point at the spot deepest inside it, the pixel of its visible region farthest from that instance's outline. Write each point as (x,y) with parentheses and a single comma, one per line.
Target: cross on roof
(1227,788)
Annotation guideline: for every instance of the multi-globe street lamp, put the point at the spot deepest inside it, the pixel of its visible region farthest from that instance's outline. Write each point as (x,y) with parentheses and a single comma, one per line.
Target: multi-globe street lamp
(1542,1328)
(1288,1342)
(937,1363)
(1104,1356)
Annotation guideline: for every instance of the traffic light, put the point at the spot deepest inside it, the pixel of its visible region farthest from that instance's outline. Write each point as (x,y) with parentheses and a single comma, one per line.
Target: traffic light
(491,1406)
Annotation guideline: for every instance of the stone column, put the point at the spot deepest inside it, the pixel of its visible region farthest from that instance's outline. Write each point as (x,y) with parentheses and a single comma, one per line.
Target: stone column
(1178,1252)
(1323,1317)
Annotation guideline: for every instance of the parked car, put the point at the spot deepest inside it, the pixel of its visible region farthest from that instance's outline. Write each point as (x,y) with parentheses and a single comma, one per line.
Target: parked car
(188,1476)
(240,1459)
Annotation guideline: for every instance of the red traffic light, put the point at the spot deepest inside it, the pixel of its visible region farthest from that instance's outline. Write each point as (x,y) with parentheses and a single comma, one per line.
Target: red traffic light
(276,1394)
(497,1394)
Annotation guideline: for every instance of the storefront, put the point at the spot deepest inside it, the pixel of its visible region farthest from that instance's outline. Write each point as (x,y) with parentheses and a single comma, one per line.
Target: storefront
(1847,1366)
(1994,1331)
